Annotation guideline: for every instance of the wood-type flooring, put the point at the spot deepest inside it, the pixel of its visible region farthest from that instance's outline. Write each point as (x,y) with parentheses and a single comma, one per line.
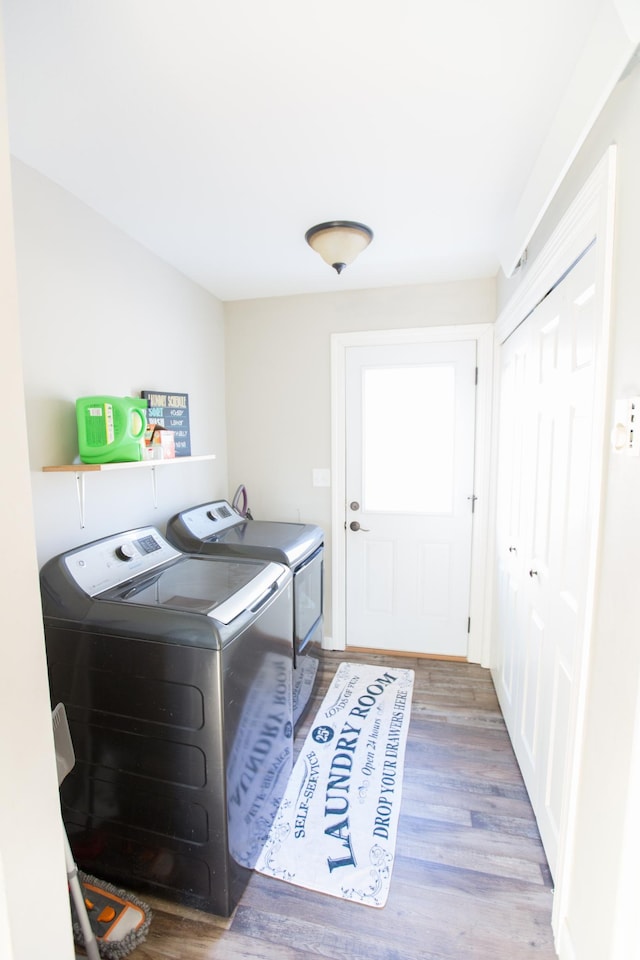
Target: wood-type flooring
(470,879)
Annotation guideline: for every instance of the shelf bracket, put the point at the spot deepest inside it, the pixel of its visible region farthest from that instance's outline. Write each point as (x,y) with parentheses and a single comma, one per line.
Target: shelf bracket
(154,487)
(80,492)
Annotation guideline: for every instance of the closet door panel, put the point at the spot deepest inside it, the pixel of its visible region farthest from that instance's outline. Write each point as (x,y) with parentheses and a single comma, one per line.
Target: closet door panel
(557,749)
(542,584)
(530,716)
(514,444)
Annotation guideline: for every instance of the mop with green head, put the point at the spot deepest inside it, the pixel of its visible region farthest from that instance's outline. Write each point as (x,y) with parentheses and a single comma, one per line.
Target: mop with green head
(107,922)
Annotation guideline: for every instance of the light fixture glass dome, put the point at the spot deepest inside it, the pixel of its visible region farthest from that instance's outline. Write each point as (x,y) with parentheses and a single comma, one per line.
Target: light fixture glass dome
(339,241)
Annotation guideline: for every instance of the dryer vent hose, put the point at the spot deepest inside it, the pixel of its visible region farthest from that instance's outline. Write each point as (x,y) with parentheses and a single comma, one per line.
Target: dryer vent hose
(240,502)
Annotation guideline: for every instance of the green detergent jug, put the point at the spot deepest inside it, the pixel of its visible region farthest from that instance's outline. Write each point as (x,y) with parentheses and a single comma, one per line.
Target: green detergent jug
(111,429)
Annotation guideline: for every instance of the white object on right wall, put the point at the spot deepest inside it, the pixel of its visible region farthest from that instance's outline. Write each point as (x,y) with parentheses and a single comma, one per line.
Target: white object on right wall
(625,435)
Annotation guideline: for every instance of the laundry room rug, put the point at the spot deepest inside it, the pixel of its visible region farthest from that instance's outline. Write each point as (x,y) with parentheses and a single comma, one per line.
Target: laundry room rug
(336,826)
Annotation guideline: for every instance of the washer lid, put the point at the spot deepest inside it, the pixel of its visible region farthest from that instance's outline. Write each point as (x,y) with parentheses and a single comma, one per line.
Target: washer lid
(288,542)
(217,523)
(217,587)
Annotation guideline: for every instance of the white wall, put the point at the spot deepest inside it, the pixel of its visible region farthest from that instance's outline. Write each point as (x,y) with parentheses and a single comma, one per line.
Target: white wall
(99,314)
(594,921)
(34,905)
(279,384)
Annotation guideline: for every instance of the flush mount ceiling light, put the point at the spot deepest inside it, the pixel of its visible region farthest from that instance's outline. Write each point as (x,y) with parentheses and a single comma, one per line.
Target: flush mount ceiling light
(339,241)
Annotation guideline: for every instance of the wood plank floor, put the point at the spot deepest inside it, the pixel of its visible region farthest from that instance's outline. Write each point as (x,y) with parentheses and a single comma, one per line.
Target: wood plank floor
(470,879)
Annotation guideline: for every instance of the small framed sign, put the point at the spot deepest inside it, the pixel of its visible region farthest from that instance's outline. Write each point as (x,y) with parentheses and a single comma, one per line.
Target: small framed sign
(170,409)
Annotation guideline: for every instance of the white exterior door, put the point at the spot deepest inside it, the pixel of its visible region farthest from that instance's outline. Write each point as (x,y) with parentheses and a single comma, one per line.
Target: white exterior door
(410,419)
(544,537)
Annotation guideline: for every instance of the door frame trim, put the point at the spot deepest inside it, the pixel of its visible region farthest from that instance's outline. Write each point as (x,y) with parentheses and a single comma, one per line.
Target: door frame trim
(479,605)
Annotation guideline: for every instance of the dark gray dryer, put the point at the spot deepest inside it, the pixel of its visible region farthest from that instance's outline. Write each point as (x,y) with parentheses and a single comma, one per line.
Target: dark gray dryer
(217,529)
(175,672)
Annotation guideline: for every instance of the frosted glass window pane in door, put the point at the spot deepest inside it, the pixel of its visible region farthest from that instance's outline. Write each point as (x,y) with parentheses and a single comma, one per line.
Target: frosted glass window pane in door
(408,416)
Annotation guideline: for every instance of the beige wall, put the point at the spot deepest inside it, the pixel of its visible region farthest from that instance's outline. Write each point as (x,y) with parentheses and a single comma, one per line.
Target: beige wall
(595,925)
(99,314)
(93,312)
(279,384)
(32,867)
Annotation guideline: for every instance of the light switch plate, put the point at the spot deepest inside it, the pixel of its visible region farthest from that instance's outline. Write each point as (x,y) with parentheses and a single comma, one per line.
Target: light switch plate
(321,477)
(625,435)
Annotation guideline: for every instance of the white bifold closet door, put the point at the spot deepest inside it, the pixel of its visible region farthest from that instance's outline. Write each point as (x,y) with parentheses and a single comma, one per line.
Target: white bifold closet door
(544,535)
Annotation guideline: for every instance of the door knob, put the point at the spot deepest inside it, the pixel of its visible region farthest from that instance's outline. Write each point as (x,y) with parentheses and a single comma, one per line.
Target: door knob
(354,505)
(355,526)
(533,573)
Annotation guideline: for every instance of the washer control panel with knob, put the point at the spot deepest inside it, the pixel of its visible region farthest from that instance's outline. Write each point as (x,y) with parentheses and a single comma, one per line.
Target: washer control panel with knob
(109,562)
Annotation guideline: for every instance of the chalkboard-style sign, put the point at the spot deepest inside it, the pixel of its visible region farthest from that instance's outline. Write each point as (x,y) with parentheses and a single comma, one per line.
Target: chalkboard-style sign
(170,410)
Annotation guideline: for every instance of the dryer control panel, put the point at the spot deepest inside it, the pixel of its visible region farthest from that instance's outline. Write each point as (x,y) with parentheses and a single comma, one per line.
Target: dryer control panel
(209,519)
(106,563)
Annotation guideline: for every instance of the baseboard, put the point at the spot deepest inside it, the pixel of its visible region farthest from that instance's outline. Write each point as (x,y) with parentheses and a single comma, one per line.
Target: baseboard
(564,943)
(407,653)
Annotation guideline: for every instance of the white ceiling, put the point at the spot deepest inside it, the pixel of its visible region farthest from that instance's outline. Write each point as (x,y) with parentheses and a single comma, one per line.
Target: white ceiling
(216,133)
